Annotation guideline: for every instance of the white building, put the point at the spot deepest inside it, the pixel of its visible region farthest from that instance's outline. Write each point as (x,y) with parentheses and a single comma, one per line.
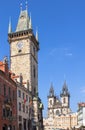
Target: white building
(81,114)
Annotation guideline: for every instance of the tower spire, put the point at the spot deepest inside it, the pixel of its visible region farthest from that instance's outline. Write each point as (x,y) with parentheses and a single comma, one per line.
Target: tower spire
(21,6)
(26,5)
(36,34)
(10,27)
(30,22)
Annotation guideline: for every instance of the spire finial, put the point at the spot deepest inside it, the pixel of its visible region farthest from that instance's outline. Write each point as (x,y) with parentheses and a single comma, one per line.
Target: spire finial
(10,28)
(26,5)
(51,84)
(30,22)
(64,77)
(37,33)
(21,6)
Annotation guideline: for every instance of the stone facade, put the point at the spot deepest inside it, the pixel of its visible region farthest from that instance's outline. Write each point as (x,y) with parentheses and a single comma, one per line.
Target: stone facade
(60,115)
(67,121)
(24,48)
(26,58)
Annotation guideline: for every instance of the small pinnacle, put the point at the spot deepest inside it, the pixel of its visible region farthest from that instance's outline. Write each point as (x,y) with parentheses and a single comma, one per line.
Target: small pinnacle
(21,6)
(26,5)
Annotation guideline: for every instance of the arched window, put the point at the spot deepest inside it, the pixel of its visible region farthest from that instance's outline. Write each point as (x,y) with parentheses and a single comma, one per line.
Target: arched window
(34,50)
(34,71)
(57,112)
(64,100)
(50,102)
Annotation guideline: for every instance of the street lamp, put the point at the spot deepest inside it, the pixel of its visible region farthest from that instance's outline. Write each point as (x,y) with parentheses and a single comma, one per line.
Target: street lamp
(8,128)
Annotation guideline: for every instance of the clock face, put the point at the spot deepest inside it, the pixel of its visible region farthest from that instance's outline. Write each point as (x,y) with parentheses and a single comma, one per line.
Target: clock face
(19,45)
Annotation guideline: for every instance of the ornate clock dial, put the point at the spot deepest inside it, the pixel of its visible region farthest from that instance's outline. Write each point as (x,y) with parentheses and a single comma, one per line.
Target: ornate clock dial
(19,45)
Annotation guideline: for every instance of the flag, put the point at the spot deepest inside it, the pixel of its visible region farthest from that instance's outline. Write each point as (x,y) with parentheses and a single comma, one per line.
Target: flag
(25,101)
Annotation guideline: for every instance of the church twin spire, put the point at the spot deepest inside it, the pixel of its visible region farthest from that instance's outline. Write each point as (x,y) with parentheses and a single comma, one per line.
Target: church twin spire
(64,91)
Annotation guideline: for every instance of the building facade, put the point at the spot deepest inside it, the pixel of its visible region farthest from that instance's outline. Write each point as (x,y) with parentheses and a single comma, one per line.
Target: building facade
(24,47)
(24,109)
(8,99)
(59,112)
(81,114)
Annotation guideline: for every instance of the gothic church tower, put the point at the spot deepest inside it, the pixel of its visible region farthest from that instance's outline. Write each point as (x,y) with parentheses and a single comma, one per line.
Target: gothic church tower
(65,99)
(24,48)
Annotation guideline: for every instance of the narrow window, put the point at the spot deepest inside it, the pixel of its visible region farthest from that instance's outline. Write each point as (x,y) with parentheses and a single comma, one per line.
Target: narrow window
(23,108)
(26,97)
(34,50)
(4,90)
(50,102)
(64,100)
(19,106)
(34,71)
(3,112)
(19,93)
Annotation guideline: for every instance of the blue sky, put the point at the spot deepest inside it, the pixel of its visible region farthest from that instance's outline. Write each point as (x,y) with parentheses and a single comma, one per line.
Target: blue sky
(61,26)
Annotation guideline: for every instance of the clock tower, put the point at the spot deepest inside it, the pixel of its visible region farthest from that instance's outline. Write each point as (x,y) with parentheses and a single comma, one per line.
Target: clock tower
(24,48)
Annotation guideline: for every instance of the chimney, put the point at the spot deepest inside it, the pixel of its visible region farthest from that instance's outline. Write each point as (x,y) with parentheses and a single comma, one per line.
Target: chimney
(4,65)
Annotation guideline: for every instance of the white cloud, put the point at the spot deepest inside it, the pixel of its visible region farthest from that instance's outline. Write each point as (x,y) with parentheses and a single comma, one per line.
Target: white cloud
(60,52)
(68,54)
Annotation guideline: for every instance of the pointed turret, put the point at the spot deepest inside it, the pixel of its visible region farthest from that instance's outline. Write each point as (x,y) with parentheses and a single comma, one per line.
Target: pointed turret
(21,6)
(65,91)
(37,34)
(23,21)
(30,22)
(65,99)
(10,27)
(51,91)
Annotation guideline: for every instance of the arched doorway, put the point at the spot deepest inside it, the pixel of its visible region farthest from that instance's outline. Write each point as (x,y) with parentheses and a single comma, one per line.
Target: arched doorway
(9,127)
(20,126)
(4,127)
(29,125)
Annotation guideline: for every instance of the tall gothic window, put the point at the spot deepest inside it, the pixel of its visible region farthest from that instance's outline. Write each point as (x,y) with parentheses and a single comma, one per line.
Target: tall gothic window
(34,50)
(57,112)
(34,71)
(64,100)
(50,102)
